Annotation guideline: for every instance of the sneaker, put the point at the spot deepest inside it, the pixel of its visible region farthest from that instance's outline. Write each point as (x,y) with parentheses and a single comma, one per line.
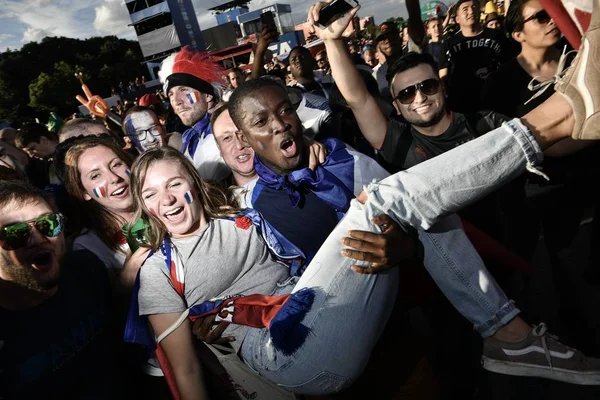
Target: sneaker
(581,82)
(541,355)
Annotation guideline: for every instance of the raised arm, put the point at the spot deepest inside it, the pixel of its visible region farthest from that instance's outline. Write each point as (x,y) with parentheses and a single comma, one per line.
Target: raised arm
(180,351)
(416,29)
(371,120)
(268,34)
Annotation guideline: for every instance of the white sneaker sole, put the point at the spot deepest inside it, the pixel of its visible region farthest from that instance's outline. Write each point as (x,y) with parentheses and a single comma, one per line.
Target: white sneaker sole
(539,371)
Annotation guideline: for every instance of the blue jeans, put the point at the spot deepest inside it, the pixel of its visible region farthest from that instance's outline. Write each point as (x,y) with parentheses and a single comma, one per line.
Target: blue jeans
(350,310)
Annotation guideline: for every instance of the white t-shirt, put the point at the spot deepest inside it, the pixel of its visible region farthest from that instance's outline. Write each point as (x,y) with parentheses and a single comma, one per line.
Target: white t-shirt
(90,241)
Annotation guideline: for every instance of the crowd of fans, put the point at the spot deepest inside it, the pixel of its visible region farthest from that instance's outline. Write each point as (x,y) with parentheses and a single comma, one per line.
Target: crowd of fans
(264,233)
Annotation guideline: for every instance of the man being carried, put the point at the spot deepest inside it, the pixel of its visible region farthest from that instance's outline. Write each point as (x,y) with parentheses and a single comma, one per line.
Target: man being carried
(264,115)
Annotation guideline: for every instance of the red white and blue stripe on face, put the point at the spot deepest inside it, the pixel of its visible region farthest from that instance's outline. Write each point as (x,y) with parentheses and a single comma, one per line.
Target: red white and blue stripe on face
(189,198)
(193,97)
(100,191)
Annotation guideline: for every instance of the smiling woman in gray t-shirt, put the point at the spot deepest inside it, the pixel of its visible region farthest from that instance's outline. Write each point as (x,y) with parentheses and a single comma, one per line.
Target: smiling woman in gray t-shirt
(219,260)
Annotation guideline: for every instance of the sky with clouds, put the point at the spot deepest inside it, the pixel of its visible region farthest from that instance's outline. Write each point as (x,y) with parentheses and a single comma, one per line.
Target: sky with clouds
(23,21)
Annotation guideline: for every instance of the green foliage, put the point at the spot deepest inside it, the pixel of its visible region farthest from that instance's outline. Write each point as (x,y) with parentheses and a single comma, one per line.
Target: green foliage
(39,78)
(399,21)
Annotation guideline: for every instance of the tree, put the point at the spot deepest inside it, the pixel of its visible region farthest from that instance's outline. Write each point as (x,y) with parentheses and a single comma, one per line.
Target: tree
(38,78)
(56,91)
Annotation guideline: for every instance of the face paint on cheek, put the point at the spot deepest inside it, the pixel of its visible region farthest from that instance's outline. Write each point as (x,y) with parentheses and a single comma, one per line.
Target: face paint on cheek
(136,123)
(100,191)
(128,172)
(188,197)
(153,211)
(193,97)
(261,145)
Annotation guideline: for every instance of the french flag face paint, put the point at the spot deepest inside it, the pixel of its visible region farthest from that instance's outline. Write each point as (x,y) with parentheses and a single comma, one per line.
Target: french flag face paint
(193,97)
(100,192)
(128,172)
(188,197)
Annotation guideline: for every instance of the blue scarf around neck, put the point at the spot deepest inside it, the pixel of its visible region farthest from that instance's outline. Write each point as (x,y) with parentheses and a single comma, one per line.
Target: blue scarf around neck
(192,136)
(331,182)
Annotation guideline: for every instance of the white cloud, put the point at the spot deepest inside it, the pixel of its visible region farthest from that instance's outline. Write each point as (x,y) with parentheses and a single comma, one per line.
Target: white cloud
(35,35)
(35,19)
(52,17)
(5,36)
(112,18)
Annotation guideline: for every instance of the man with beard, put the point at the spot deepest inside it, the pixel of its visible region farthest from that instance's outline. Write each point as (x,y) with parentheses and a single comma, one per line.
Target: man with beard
(187,78)
(306,206)
(55,309)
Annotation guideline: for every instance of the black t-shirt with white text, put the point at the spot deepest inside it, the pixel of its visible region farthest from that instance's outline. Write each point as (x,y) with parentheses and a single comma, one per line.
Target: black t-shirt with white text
(469,61)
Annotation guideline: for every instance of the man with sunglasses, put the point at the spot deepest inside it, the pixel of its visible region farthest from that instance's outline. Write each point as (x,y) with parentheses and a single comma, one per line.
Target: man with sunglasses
(418,96)
(507,89)
(55,308)
(469,56)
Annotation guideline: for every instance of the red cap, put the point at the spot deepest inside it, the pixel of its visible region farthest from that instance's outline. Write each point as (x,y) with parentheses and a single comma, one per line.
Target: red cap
(148,100)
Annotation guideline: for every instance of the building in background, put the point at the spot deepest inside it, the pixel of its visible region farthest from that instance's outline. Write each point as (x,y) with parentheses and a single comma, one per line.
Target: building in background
(235,19)
(163,27)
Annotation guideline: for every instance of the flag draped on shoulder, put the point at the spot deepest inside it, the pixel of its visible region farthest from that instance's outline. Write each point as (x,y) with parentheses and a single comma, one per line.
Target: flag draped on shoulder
(282,315)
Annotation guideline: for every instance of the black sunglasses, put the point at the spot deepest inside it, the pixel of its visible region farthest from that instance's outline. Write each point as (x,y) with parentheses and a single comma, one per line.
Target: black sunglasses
(15,236)
(428,87)
(542,17)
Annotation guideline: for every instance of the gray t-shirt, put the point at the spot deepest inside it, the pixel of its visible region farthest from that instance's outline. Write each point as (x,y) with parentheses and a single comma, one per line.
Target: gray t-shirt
(221,260)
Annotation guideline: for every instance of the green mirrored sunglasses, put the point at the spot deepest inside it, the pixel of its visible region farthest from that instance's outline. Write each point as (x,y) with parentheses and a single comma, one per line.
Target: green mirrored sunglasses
(15,235)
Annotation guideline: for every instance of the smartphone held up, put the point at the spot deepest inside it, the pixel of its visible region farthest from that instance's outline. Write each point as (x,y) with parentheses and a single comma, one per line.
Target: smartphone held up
(334,11)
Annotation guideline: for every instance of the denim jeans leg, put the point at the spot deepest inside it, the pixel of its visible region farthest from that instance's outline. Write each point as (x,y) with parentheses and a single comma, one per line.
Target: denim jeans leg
(447,183)
(461,275)
(347,317)
(351,310)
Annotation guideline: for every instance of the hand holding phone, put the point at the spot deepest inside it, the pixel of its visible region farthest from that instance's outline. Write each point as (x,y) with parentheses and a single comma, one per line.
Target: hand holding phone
(334,11)
(337,19)
(267,19)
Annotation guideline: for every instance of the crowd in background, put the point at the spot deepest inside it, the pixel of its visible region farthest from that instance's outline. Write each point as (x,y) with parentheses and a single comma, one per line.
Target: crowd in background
(297,139)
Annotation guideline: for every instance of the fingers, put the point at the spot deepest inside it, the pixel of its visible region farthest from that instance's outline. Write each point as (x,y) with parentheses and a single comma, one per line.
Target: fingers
(322,154)
(368,237)
(312,159)
(372,245)
(362,197)
(370,270)
(364,256)
(314,11)
(383,220)
(317,154)
(202,328)
(141,253)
